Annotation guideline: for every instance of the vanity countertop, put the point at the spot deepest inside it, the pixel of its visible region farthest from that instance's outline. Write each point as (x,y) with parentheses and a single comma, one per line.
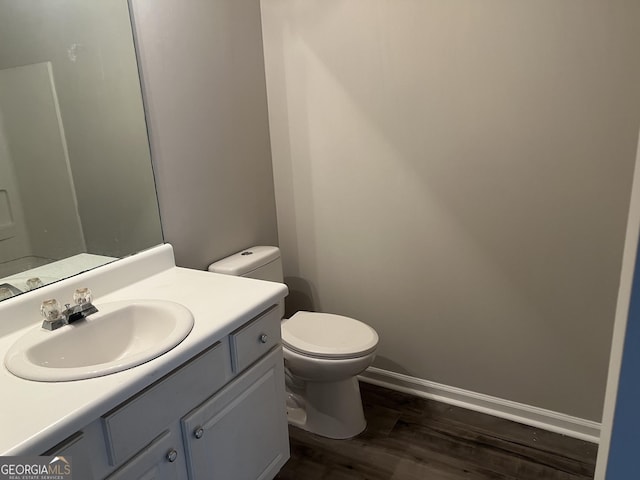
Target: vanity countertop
(37,415)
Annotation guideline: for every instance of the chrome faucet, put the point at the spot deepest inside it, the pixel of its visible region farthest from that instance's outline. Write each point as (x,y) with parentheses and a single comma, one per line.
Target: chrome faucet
(55,317)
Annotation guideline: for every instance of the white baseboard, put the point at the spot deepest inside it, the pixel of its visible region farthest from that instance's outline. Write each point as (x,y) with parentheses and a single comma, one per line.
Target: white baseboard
(498,407)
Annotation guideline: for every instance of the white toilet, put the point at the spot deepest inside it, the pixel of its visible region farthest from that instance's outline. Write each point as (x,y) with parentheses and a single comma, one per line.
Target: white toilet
(323,354)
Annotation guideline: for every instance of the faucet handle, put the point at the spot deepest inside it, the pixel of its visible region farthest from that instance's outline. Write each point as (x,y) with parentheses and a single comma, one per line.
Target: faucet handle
(51,309)
(34,282)
(52,313)
(82,296)
(5,293)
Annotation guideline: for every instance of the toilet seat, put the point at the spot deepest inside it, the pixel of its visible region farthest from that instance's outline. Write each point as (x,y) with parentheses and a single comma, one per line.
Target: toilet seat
(325,335)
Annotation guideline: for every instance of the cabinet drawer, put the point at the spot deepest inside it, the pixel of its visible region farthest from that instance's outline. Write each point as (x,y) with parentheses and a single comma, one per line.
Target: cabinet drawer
(135,423)
(161,459)
(255,339)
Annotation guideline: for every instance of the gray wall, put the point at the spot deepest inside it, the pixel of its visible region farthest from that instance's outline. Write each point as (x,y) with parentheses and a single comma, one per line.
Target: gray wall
(457,174)
(203,76)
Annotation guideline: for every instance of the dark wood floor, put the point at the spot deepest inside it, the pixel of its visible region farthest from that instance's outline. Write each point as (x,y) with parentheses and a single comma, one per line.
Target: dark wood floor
(411,438)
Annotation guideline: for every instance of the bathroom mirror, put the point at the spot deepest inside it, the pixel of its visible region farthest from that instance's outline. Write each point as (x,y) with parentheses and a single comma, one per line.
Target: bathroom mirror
(76,182)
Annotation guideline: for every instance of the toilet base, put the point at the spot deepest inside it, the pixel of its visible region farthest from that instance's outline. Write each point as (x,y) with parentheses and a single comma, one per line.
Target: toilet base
(329,409)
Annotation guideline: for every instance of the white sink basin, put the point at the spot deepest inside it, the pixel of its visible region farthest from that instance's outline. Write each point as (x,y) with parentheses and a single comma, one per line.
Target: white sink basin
(121,335)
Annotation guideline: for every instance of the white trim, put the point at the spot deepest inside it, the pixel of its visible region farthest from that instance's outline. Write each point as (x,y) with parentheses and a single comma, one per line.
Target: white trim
(498,407)
(620,322)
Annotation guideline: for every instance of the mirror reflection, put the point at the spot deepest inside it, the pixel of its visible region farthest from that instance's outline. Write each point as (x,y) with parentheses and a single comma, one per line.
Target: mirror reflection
(76,183)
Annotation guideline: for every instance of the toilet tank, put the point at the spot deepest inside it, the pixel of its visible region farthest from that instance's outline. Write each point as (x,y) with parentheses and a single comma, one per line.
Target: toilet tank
(261,262)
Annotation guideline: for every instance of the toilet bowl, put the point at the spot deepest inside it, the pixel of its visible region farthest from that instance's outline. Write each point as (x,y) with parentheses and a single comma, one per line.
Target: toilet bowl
(323,354)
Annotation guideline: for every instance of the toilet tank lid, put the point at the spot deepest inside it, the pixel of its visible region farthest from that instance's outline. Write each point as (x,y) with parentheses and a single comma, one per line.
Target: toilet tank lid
(246,260)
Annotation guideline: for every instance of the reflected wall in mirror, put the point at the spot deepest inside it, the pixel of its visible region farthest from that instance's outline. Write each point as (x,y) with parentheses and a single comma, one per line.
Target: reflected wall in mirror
(76,181)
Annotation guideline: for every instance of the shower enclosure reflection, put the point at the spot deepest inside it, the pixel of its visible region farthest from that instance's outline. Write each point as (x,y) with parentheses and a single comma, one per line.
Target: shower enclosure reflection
(76,181)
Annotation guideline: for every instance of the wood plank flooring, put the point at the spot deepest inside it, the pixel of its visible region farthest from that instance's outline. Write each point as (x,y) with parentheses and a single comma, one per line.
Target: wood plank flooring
(411,438)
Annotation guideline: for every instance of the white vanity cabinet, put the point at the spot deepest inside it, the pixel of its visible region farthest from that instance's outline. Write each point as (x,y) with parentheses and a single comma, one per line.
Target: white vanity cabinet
(221,415)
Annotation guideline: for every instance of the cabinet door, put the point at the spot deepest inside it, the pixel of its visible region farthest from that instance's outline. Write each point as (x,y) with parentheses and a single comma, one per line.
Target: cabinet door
(241,432)
(160,460)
